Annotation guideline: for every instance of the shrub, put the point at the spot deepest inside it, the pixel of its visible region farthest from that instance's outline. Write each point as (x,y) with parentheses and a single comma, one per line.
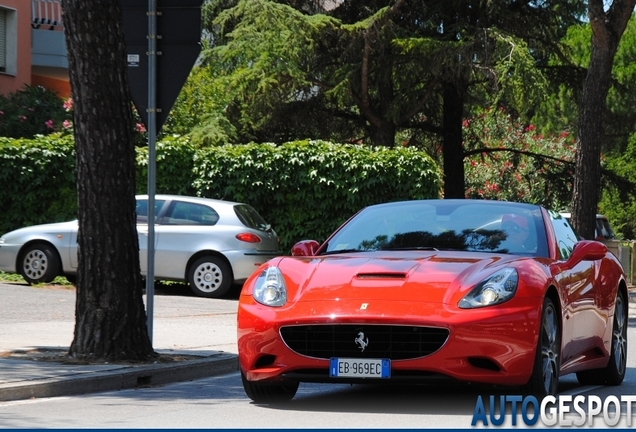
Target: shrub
(32,111)
(510,161)
(38,181)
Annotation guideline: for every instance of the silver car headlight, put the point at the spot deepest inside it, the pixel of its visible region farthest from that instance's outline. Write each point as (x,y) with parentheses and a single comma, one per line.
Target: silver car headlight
(498,288)
(269,288)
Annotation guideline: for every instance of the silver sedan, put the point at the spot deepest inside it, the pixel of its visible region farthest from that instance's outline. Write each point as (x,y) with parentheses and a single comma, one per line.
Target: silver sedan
(210,244)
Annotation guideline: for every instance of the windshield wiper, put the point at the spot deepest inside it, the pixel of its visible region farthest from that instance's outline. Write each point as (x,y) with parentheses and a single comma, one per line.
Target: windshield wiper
(332,252)
(411,248)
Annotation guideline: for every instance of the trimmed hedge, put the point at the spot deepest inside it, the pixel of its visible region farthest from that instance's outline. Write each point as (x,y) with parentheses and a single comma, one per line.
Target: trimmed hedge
(305,189)
(38,181)
(174,167)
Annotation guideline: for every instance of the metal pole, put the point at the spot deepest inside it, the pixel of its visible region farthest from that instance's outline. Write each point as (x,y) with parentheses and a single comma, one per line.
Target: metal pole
(152,138)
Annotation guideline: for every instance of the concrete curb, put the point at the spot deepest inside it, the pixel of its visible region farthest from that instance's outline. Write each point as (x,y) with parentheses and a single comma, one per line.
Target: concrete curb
(120,378)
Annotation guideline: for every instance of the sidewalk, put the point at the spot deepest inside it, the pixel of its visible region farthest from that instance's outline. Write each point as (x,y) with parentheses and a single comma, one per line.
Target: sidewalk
(195,337)
(26,375)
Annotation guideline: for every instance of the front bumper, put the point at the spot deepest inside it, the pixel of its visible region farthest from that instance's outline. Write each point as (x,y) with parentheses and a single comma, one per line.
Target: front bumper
(9,257)
(494,345)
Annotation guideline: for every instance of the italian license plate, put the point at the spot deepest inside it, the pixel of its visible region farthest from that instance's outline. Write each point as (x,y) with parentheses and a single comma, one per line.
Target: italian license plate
(359,368)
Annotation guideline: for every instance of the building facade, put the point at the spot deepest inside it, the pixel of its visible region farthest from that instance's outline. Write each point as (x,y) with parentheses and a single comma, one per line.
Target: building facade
(32,46)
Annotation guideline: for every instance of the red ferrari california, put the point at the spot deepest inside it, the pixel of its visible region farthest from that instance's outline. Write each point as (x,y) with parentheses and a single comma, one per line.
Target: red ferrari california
(472,290)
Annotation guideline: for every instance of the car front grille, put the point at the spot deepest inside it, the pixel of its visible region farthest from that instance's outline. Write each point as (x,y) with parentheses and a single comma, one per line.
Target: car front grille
(395,342)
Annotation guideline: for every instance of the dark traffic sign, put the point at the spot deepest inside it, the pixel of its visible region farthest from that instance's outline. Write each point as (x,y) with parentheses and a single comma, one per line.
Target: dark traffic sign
(178,44)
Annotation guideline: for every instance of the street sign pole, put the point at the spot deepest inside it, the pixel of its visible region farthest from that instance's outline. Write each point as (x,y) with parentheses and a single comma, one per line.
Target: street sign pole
(155,83)
(152,138)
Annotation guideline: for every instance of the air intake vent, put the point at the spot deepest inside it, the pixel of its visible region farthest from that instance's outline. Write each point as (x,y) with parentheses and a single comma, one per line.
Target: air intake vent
(396,342)
(381,275)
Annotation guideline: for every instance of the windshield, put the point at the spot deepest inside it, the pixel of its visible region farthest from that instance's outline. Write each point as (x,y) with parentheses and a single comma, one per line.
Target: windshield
(464,225)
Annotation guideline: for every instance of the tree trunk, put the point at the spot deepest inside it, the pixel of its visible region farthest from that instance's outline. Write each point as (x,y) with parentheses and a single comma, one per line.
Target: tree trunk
(453,147)
(607,30)
(110,319)
(384,134)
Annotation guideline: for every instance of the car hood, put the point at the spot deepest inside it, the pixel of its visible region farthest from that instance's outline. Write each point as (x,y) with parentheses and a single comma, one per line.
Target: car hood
(417,276)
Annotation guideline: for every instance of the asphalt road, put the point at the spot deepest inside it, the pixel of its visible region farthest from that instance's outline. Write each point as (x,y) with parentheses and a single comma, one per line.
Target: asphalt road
(220,402)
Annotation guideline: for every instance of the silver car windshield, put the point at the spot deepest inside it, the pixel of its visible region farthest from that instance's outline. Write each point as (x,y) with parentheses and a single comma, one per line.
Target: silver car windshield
(251,218)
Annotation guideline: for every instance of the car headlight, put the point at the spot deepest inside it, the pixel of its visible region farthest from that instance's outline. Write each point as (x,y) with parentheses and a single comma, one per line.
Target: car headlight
(269,288)
(498,288)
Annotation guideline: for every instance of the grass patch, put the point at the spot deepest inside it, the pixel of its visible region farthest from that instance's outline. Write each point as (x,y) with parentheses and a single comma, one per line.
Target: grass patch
(14,277)
(11,277)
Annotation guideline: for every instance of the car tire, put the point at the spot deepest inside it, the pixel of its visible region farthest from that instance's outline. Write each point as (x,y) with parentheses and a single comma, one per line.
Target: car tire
(547,362)
(210,276)
(39,263)
(614,373)
(269,392)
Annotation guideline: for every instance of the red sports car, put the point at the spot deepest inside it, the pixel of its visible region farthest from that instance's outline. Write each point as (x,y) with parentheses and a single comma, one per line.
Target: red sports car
(478,291)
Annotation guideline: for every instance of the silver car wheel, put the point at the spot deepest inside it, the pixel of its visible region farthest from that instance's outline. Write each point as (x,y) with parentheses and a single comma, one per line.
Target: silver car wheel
(39,263)
(544,379)
(550,347)
(620,340)
(35,264)
(210,276)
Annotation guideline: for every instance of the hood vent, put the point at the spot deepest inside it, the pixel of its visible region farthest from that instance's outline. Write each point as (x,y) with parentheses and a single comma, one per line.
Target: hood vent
(381,275)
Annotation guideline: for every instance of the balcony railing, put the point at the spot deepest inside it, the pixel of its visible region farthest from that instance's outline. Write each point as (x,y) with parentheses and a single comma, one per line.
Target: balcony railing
(46,13)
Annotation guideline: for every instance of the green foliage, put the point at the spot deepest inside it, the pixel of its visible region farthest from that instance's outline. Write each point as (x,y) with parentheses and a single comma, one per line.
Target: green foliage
(619,204)
(559,109)
(308,188)
(174,167)
(620,120)
(11,277)
(38,181)
(370,71)
(516,68)
(515,163)
(267,59)
(199,109)
(14,277)
(32,111)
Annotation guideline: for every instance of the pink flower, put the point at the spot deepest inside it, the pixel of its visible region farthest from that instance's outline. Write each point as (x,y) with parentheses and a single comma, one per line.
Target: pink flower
(22,118)
(68,104)
(140,128)
(49,124)
(66,124)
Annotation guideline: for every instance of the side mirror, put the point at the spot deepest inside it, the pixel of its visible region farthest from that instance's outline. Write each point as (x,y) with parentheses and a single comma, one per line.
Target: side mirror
(586,250)
(305,248)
